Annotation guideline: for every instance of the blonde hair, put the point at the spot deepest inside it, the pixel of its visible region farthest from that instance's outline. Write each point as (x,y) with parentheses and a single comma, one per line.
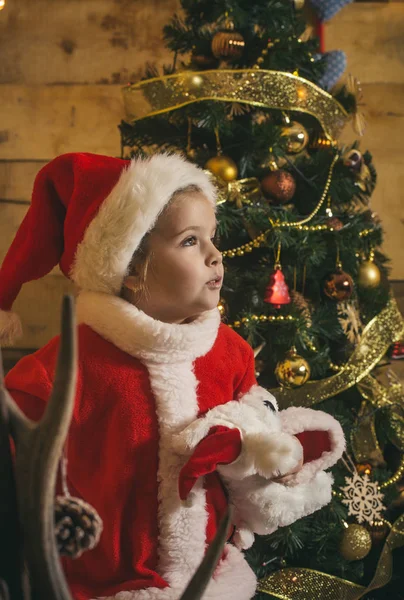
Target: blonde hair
(142,257)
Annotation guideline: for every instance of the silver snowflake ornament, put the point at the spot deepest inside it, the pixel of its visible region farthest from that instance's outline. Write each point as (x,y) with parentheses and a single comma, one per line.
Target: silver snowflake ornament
(363,498)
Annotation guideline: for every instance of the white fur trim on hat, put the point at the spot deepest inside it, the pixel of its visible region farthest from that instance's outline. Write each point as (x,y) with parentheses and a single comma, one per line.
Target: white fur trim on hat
(127,214)
(10,327)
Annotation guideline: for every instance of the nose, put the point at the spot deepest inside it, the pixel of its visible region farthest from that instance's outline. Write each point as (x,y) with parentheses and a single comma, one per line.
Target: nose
(215,256)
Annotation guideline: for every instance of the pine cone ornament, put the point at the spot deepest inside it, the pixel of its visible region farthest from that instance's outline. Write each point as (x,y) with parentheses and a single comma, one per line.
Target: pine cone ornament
(304,306)
(78,526)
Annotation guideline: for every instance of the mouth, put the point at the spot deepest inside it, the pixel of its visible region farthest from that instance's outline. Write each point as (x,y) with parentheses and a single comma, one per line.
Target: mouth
(215,283)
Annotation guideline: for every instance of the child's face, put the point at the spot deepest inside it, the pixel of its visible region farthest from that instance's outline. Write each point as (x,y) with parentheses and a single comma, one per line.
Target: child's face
(185,273)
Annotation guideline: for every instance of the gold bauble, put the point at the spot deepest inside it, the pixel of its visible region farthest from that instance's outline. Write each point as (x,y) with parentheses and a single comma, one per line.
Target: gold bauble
(293,371)
(297,137)
(223,167)
(228,45)
(356,542)
(223,308)
(369,275)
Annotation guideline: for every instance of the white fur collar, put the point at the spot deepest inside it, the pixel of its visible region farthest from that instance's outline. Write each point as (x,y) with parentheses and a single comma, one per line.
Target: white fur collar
(134,332)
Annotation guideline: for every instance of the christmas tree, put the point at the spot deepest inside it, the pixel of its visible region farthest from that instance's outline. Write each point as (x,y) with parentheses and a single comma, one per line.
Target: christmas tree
(250,97)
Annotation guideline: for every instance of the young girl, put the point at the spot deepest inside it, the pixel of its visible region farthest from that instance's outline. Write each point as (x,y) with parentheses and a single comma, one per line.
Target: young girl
(166,394)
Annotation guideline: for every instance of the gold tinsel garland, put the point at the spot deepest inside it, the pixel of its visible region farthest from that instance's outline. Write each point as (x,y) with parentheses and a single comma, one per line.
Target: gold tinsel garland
(387,327)
(377,396)
(260,88)
(236,191)
(294,583)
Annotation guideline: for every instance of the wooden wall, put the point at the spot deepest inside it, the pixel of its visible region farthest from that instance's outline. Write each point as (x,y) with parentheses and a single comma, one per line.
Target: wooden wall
(372,35)
(63,64)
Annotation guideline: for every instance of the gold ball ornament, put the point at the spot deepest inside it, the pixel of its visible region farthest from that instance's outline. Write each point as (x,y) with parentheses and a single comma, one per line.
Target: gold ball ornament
(293,371)
(223,167)
(356,542)
(369,275)
(297,137)
(228,45)
(278,186)
(223,308)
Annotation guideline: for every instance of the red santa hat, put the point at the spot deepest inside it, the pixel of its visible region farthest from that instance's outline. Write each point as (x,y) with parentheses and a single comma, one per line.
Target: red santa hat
(89,213)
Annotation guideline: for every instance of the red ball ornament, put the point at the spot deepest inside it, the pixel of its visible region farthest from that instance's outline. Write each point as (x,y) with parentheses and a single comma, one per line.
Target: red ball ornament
(277,292)
(397,351)
(278,186)
(338,286)
(335,223)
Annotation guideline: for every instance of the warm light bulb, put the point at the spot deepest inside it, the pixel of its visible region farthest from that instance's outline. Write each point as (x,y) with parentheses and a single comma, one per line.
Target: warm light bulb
(2,4)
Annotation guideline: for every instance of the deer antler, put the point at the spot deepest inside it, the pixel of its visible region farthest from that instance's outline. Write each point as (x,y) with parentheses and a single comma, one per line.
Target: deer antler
(39,448)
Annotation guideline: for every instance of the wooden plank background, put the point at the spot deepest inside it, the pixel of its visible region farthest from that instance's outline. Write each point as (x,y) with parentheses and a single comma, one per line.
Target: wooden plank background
(372,35)
(63,64)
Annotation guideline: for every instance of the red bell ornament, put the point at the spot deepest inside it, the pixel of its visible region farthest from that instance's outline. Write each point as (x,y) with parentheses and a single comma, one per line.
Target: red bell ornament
(277,292)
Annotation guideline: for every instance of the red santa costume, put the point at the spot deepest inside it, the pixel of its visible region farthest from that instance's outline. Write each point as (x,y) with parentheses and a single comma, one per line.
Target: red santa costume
(169,424)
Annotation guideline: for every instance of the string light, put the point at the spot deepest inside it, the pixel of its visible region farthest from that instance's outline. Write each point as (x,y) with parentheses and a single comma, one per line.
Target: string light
(262,319)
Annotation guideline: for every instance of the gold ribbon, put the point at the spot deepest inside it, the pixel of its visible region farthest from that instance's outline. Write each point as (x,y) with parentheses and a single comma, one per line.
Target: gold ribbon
(241,191)
(260,88)
(387,327)
(293,583)
(378,396)
(364,442)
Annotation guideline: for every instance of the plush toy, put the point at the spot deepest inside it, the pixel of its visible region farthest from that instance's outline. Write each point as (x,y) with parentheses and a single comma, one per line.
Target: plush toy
(272,443)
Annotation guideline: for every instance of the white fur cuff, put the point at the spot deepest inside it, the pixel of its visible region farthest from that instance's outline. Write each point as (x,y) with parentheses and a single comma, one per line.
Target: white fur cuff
(262,506)
(296,420)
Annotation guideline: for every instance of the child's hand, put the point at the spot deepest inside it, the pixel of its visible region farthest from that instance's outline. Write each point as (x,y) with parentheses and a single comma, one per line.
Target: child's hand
(288,477)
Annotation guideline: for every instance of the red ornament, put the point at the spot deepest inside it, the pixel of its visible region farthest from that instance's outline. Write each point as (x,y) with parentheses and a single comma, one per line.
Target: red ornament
(277,292)
(278,186)
(335,223)
(338,286)
(397,351)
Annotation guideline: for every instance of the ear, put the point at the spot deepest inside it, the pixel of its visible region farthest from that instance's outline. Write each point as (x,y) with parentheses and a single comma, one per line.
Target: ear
(132,282)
